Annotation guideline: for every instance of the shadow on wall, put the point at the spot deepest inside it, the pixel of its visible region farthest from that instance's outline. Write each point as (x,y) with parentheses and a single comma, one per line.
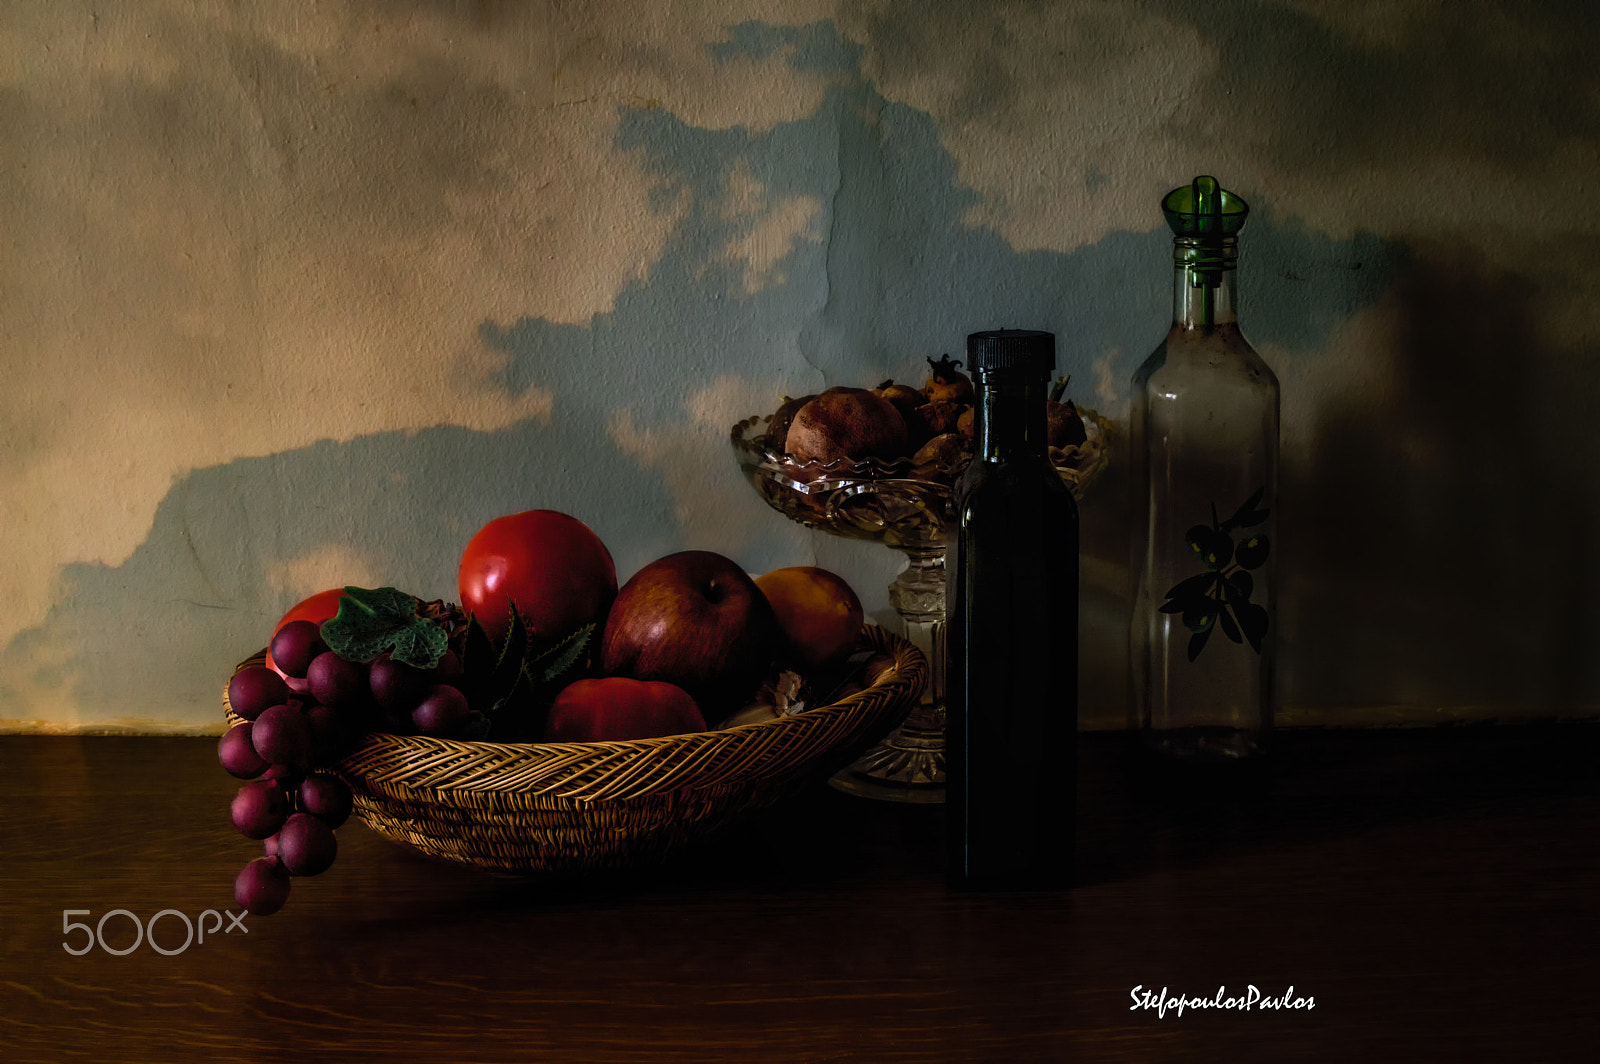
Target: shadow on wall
(885,275)
(1440,543)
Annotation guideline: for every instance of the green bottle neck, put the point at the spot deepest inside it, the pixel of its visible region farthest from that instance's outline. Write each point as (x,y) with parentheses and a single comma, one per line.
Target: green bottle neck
(1203,293)
(1009,417)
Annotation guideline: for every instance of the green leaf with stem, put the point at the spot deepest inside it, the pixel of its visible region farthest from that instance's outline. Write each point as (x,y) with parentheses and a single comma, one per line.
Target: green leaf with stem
(554,664)
(372,621)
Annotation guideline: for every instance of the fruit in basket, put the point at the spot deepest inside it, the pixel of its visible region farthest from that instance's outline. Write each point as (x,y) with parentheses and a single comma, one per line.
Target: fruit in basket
(697,620)
(326,798)
(295,646)
(338,682)
(553,566)
(848,423)
(253,689)
(306,845)
(947,382)
(237,754)
(443,712)
(617,707)
(282,736)
(260,808)
(262,886)
(818,613)
(395,686)
(381,636)
(316,609)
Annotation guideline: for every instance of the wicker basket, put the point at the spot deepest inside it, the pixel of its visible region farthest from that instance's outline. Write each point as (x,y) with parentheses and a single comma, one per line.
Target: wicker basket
(566,809)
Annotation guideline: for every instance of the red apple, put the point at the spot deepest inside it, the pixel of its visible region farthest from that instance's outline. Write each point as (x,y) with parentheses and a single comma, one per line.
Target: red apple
(615,707)
(697,620)
(550,564)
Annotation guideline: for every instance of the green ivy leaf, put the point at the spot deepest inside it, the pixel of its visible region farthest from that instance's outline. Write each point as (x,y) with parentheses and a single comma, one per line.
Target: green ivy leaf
(371,621)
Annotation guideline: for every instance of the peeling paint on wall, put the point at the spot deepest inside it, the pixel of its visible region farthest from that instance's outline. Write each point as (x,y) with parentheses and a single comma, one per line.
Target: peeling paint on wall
(300,299)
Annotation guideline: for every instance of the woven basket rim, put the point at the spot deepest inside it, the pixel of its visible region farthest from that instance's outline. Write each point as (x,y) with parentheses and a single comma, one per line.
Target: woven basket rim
(902,673)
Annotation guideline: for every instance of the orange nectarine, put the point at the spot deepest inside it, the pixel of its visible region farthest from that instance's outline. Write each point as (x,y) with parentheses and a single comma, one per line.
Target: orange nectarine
(820,615)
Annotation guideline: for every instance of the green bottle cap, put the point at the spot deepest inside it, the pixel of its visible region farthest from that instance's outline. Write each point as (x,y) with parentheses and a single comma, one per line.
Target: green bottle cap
(1203,208)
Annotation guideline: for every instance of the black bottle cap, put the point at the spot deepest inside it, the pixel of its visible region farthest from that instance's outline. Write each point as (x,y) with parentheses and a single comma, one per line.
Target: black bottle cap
(1021,351)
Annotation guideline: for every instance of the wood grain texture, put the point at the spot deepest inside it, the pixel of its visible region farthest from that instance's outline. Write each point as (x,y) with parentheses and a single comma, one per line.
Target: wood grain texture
(1434,889)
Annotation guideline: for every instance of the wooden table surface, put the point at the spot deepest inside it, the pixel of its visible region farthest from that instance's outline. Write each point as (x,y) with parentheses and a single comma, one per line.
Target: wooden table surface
(1436,892)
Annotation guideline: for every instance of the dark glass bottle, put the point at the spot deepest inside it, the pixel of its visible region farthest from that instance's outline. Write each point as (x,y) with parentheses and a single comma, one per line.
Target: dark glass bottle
(1012,730)
(1204,456)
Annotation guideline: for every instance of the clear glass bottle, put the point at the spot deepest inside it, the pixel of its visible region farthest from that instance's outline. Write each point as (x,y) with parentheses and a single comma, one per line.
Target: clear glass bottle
(1204,456)
(1012,697)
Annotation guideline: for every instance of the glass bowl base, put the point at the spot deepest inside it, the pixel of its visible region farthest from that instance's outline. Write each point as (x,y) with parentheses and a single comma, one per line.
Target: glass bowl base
(907,766)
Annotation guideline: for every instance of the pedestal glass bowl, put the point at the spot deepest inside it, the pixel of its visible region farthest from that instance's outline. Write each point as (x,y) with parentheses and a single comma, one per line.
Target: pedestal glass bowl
(909,508)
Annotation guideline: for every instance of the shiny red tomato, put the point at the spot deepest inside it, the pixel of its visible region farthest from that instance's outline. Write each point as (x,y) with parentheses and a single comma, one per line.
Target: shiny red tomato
(616,707)
(317,608)
(549,563)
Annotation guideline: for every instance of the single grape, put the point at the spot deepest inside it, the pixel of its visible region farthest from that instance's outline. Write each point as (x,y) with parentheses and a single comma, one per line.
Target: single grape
(282,735)
(260,808)
(237,754)
(306,845)
(262,886)
(448,670)
(269,845)
(337,682)
(442,713)
(296,645)
(326,798)
(253,689)
(396,686)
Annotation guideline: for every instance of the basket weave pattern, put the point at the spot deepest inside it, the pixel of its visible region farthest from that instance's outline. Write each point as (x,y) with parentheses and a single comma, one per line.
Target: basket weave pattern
(571,808)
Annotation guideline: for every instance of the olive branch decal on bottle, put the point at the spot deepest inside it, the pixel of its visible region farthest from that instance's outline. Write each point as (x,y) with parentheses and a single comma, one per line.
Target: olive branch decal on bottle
(1220,597)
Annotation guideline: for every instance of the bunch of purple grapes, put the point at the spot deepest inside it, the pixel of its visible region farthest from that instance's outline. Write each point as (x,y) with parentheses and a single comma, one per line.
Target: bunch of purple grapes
(305,720)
